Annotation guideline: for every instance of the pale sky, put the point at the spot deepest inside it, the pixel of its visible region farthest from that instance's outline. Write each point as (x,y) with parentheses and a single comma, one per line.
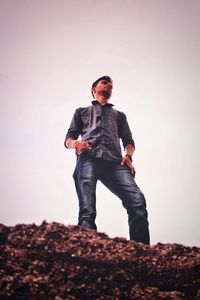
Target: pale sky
(51,52)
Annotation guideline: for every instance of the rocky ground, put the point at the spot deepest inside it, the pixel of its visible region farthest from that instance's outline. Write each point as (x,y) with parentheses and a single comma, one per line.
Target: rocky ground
(53,261)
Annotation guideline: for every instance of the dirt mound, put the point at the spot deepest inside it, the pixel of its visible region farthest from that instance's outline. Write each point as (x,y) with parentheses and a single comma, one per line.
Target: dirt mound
(53,261)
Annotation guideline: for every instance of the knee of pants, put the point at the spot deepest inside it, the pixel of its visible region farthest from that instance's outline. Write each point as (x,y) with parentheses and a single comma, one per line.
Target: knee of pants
(142,199)
(134,201)
(138,211)
(137,207)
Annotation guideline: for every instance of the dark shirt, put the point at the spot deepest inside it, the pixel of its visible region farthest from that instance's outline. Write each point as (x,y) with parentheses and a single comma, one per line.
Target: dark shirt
(102,127)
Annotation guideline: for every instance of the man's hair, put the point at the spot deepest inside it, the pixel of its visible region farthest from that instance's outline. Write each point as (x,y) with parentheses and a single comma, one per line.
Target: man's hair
(107,78)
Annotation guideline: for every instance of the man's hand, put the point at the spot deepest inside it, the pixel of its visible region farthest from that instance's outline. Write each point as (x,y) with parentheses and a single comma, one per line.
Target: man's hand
(126,161)
(81,146)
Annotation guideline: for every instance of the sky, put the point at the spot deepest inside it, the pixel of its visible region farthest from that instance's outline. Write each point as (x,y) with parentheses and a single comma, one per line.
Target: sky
(51,53)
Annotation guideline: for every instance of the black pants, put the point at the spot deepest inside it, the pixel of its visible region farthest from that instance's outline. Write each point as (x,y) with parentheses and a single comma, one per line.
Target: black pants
(119,180)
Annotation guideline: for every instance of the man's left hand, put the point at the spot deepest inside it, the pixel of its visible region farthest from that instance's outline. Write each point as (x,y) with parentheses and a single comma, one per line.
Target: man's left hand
(126,161)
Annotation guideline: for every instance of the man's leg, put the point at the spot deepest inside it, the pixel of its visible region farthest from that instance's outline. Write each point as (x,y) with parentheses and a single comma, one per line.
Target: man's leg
(121,182)
(85,182)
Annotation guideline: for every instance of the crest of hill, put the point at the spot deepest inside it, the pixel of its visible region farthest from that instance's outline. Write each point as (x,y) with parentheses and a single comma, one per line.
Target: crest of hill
(54,261)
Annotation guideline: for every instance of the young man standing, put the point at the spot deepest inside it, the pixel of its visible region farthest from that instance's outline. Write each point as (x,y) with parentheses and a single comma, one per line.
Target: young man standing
(99,157)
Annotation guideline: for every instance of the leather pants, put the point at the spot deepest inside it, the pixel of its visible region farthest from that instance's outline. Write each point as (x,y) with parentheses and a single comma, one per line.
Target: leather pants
(119,180)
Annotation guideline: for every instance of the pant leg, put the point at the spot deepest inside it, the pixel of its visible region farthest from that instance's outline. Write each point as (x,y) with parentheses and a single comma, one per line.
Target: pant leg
(85,183)
(121,182)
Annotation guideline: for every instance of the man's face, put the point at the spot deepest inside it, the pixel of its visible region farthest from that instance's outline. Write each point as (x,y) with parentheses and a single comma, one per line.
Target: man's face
(104,88)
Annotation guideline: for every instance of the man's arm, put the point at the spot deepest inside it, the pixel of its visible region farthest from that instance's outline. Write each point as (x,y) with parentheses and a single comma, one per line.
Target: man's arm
(79,146)
(129,150)
(70,143)
(127,159)
(128,142)
(74,130)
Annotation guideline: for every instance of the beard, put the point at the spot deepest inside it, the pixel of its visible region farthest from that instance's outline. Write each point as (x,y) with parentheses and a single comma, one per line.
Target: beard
(106,94)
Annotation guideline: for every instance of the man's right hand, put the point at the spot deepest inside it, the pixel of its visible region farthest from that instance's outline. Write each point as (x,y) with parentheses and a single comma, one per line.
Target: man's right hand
(81,146)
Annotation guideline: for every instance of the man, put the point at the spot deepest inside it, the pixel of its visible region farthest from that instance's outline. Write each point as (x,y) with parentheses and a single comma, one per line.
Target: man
(99,157)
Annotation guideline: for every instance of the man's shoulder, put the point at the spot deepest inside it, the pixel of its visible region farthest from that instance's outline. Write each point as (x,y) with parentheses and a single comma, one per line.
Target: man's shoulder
(121,114)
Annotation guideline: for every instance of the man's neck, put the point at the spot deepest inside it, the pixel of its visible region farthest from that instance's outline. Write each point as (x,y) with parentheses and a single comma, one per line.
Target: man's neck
(101,99)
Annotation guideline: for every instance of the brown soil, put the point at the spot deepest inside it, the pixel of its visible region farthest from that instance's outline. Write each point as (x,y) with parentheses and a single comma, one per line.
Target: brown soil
(54,261)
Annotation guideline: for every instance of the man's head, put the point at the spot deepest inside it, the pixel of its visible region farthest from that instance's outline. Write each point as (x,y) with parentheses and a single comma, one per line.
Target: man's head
(103,86)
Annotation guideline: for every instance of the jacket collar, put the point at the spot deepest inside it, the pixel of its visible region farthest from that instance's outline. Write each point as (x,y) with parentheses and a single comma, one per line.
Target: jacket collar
(94,102)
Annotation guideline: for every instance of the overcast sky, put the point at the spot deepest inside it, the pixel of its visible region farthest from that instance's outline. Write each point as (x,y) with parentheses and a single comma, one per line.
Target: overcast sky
(51,52)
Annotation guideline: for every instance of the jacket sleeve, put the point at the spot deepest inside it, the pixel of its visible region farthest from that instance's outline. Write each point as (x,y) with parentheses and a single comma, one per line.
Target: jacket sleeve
(124,130)
(75,128)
